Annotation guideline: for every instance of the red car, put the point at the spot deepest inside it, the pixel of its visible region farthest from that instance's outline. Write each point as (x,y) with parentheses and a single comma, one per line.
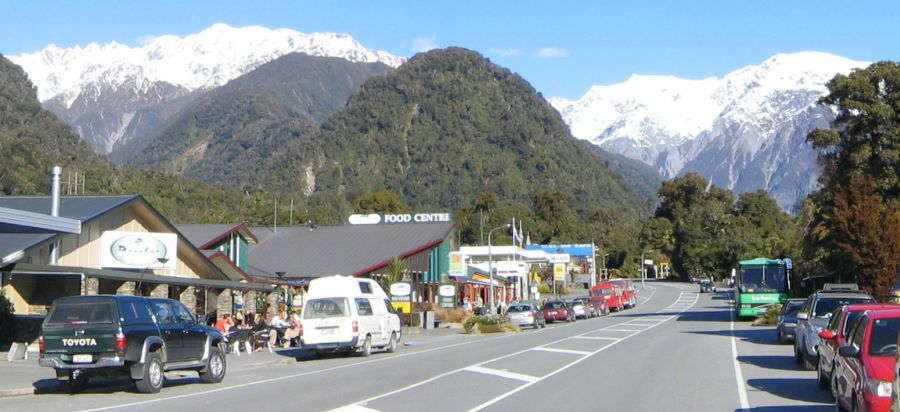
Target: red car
(629,300)
(610,292)
(835,334)
(558,310)
(864,367)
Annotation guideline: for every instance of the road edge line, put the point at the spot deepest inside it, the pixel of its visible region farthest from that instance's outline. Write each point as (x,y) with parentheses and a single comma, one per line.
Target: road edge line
(738,376)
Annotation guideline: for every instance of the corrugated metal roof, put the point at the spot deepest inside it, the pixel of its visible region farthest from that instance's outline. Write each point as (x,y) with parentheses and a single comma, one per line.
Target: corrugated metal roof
(83,208)
(345,249)
(14,242)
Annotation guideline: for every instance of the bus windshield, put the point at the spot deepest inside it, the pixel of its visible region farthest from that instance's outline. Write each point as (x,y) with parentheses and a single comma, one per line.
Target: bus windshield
(763,279)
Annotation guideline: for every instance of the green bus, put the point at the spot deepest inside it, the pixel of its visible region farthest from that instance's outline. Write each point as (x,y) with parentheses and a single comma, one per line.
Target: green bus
(759,283)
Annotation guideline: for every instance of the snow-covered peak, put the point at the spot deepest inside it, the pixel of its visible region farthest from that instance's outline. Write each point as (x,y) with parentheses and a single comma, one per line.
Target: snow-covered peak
(664,111)
(206,59)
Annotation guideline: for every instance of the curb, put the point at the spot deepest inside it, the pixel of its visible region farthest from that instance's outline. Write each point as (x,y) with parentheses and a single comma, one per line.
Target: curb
(6,393)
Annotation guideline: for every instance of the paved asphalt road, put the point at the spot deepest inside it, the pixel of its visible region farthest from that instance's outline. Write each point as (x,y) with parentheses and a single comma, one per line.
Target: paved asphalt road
(678,351)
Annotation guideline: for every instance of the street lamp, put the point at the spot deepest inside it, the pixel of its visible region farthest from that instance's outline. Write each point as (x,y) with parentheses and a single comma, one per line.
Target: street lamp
(491,266)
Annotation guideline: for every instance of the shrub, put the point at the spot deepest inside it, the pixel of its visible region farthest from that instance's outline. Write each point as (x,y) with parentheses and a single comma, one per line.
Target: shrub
(543,288)
(770,316)
(7,321)
(456,315)
(489,324)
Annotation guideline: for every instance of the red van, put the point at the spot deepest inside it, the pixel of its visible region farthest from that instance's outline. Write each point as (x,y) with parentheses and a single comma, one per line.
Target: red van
(611,293)
(629,300)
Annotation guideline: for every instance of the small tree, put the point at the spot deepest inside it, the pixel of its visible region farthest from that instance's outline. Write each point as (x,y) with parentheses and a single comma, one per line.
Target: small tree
(396,272)
(7,321)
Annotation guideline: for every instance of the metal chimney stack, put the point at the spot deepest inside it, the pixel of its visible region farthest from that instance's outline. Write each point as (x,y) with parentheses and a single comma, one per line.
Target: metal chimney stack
(55,172)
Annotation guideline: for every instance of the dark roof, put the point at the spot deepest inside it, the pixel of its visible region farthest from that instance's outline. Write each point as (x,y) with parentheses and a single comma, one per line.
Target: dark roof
(300,251)
(83,208)
(200,235)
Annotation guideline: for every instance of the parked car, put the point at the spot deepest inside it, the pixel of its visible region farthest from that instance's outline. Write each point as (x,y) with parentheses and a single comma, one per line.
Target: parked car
(592,308)
(526,314)
(581,311)
(787,319)
(610,292)
(131,336)
(629,297)
(557,310)
(815,315)
(835,334)
(864,368)
(706,286)
(348,314)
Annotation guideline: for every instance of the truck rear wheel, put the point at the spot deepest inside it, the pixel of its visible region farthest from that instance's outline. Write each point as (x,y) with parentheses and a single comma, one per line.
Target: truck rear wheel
(152,379)
(76,384)
(366,348)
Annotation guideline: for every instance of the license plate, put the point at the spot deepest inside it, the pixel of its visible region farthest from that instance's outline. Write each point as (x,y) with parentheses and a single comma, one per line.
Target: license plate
(327,331)
(82,359)
(552,313)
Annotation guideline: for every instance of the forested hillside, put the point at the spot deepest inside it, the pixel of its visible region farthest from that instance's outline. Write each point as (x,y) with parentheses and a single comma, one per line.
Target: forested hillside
(227,135)
(32,140)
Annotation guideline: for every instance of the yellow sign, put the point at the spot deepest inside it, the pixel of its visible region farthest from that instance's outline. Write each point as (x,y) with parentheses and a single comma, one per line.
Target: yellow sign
(404,307)
(559,271)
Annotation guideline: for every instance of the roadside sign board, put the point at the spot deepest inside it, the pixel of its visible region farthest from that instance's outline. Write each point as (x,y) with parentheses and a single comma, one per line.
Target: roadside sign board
(401,296)
(558,257)
(559,271)
(447,296)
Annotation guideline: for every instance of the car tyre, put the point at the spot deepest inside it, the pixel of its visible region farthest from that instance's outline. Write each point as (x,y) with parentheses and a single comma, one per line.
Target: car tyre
(214,371)
(366,349)
(152,377)
(798,358)
(820,375)
(392,344)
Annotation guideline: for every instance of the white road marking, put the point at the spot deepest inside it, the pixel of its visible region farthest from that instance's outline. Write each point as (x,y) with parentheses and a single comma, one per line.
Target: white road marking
(627,330)
(738,376)
(569,351)
(502,373)
(595,338)
(354,408)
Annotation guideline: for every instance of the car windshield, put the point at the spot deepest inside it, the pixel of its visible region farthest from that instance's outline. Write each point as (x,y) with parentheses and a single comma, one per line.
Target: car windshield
(883,340)
(792,308)
(80,313)
(326,308)
(827,305)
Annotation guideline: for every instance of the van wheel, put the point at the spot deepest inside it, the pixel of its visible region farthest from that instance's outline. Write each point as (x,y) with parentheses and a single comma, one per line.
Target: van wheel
(214,371)
(366,348)
(152,379)
(392,344)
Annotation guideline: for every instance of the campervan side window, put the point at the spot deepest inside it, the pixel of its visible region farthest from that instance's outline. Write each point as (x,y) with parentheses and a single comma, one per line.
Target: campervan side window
(365,287)
(363,307)
(389,306)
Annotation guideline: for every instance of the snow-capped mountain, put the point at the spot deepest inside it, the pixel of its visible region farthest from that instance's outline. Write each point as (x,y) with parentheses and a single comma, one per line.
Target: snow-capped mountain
(745,131)
(113,92)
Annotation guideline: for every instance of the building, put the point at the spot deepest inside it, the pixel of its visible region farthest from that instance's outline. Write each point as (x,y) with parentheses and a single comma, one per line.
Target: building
(105,245)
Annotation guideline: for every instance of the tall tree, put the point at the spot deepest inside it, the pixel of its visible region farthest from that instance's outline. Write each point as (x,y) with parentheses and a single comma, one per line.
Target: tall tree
(380,201)
(852,226)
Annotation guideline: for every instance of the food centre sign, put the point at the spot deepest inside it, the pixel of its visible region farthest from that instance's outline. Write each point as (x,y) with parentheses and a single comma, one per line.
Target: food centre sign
(380,219)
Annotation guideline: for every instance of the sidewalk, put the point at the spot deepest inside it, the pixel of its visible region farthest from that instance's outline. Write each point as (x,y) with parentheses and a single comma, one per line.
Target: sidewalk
(26,377)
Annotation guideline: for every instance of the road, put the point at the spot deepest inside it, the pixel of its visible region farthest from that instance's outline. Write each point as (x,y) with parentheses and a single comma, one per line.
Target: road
(678,350)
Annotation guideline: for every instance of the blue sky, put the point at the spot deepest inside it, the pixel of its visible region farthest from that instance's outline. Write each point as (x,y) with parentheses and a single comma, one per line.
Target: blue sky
(560,47)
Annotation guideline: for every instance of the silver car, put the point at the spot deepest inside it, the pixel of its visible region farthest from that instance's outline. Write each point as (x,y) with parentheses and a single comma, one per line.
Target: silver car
(525,314)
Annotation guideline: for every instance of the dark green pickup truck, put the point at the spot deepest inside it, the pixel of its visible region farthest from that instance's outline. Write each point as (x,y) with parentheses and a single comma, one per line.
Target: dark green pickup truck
(133,336)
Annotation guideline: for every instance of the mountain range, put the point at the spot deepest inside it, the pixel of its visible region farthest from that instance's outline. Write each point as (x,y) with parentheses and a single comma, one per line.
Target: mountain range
(111,94)
(745,131)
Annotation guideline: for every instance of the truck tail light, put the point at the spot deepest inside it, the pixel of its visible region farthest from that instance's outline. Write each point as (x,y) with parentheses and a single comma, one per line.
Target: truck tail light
(121,343)
(355,326)
(41,346)
(301,329)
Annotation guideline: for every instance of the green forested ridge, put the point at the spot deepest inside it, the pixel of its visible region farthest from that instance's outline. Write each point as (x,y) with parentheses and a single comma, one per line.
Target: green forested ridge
(448,125)
(227,136)
(33,140)
(645,179)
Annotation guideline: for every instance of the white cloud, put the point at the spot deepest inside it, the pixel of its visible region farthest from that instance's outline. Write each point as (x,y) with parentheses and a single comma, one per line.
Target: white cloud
(146,39)
(551,53)
(506,52)
(424,44)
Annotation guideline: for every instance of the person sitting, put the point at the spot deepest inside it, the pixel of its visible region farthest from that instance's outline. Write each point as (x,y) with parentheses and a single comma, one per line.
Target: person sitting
(294,331)
(224,324)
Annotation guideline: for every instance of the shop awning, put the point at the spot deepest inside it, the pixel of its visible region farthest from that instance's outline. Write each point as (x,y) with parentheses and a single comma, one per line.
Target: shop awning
(129,276)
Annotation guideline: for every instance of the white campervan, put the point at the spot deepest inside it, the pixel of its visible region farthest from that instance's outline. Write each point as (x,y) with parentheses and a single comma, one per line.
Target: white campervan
(344,313)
